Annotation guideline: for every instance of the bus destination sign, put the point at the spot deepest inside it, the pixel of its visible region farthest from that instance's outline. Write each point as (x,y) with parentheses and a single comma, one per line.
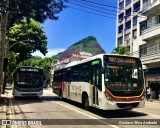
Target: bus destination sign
(121,59)
(29,70)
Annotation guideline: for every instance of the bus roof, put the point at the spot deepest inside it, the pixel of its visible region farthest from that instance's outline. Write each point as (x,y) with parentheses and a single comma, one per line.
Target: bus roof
(99,56)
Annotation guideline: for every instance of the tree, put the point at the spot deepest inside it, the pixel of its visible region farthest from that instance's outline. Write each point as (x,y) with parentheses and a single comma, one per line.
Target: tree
(38,10)
(11,67)
(18,10)
(25,38)
(121,50)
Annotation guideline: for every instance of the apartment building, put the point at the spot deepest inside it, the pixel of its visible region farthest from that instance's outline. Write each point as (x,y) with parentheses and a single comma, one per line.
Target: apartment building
(138,28)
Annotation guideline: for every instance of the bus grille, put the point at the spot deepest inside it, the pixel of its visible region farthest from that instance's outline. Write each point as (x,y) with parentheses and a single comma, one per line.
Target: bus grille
(127,105)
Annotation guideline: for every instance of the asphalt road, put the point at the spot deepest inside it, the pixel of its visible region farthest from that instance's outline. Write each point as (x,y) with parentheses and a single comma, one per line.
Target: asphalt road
(51,112)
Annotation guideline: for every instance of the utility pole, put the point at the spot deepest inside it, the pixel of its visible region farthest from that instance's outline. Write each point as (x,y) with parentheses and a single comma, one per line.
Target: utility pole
(4,19)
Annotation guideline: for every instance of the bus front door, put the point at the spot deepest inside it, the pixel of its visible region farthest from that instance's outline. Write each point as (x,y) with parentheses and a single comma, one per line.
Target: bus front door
(94,82)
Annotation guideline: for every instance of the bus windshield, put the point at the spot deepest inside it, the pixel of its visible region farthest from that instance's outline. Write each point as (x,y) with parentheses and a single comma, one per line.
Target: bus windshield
(123,76)
(28,79)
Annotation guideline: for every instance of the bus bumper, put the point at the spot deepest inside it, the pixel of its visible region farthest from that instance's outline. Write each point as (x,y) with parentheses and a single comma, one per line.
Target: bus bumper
(21,94)
(112,105)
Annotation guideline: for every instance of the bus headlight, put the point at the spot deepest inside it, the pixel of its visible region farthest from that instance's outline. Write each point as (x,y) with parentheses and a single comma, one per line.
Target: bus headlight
(143,97)
(108,97)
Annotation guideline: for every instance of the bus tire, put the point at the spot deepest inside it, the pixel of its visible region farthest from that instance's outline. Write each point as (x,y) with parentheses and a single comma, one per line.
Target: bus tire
(85,102)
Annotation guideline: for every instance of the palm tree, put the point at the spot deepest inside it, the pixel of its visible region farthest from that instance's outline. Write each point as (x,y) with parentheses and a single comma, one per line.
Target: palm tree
(121,50)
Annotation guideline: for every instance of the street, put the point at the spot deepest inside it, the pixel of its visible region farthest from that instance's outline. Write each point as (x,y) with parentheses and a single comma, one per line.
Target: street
(48,110)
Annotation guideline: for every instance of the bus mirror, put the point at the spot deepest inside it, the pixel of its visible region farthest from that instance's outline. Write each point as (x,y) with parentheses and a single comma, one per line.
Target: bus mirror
(44,78)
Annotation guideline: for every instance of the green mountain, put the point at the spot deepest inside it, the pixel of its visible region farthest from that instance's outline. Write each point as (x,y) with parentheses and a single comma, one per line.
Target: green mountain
(88,44)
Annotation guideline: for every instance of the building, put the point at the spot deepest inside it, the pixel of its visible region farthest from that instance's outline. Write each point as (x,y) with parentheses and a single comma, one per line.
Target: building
(138,28)
(128,11)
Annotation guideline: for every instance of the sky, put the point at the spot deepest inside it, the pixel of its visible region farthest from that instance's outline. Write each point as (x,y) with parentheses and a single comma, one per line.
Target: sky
(81,19)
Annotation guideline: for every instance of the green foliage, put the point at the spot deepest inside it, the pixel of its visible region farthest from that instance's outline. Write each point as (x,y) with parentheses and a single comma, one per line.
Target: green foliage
(84,42)
(121,50)
(38,10)
(11,66)
(88,44)
(26,38)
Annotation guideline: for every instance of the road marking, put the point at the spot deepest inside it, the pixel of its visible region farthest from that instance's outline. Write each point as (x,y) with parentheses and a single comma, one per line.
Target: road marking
(87,115)
(149,114)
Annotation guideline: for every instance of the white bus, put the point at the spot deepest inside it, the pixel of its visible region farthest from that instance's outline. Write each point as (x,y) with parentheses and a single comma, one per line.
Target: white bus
(28,81)
(107,82)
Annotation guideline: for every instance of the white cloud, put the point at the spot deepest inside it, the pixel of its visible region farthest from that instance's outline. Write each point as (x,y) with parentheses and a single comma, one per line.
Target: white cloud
(50,52)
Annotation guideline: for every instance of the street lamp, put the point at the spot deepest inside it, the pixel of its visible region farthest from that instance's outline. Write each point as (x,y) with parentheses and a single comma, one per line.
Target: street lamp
(29,41)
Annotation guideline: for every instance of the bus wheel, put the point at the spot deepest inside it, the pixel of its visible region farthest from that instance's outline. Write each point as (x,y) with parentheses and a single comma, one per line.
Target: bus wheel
(85,103)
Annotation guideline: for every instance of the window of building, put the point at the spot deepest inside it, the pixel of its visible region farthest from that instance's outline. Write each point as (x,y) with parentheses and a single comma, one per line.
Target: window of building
(143,26)
(134,34)
(120,28)
(134,20)
(128,25)
(142,50)
(121,5)
(128,12)
(128,2)
(120,40)
(157,19)
(146,1)
(136,6)
(158,46)
(120,17)
(127,38)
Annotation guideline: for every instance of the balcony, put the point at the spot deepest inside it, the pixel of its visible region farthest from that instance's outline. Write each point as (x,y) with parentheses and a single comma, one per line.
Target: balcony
(151,32)
(150,8)
(151,55)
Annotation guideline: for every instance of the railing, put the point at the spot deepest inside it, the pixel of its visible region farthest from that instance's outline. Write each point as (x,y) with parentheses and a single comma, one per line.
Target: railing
(152,53)
(149,4)
(150,29)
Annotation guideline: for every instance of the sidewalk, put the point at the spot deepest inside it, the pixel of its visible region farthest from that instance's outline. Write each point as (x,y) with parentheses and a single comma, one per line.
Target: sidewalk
(154,100)
(3,109)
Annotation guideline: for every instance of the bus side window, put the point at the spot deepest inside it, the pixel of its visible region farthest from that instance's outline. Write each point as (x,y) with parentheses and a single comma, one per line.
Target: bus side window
(75,73)
(84,72)
(68,75)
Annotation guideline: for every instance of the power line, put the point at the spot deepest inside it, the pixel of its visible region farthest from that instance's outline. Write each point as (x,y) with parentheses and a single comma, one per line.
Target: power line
(99,1)
(105,5)
(92,12)
(93,5)
(88,4)
(93,9)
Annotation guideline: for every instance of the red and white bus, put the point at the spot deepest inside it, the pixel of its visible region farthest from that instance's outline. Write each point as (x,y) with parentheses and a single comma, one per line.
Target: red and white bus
(107,82)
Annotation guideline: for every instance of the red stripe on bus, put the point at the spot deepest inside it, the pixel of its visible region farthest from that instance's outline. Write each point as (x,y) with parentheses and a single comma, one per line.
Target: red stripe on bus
(124,99)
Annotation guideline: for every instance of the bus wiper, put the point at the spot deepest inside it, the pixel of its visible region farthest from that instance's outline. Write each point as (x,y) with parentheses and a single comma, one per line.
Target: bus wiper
(36,82)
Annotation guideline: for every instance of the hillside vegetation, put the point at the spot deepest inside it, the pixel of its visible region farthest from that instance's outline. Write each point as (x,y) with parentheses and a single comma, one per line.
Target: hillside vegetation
(88,44)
